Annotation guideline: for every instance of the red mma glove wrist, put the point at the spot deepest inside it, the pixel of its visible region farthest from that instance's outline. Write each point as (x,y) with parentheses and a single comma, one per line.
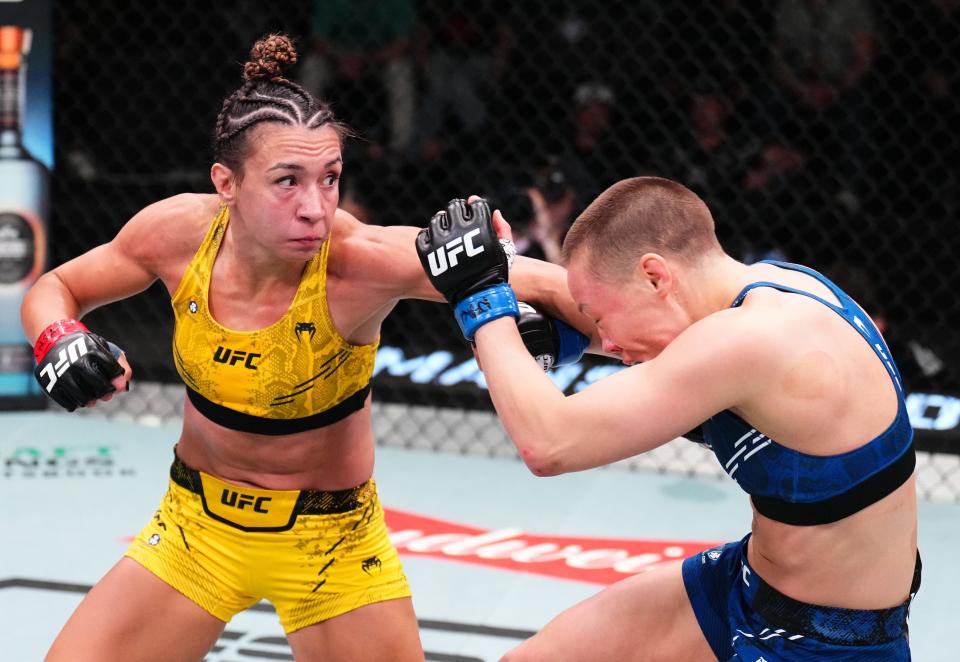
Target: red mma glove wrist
(50,335)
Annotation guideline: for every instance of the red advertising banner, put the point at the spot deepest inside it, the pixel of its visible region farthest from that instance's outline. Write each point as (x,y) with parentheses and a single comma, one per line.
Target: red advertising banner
(594,560)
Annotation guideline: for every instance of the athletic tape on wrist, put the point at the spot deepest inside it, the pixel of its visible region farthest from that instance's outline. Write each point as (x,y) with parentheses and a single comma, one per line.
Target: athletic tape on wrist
(485,306)
(54,332)
(572,343)
(510,250)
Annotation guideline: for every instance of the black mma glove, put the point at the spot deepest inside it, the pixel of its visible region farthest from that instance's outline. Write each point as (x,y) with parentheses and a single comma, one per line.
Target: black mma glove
(468,264)
(75,366)
(550,341)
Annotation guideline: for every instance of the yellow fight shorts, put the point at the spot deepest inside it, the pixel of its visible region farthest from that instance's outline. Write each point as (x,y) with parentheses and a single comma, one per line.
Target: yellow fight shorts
(313,555)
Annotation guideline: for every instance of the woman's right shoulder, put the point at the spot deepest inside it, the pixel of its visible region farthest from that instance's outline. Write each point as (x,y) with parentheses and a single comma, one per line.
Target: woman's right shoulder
(169,229)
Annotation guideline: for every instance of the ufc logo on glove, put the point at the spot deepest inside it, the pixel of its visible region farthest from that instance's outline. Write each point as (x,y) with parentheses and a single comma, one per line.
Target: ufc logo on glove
(477,287)
(67,357)
(446,256)
(78,366)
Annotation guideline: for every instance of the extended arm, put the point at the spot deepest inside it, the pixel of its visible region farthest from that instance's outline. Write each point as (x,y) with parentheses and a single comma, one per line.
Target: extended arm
(385,257)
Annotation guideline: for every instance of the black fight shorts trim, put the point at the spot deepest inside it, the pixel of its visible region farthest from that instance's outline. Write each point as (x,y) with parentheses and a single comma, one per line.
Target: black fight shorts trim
(833,625)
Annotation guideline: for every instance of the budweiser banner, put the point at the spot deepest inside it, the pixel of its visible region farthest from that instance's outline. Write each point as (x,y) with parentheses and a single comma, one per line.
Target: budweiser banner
(594,560)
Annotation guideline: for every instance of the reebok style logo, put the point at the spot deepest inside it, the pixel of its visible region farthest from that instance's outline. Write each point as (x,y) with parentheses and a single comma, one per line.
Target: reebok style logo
(445,257)
(67,357)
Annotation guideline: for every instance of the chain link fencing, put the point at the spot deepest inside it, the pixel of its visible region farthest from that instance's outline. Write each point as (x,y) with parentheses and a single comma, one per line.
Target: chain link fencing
(822,137)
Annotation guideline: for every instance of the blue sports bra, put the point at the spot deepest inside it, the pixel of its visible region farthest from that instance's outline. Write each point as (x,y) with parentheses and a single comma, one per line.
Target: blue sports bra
(795,488)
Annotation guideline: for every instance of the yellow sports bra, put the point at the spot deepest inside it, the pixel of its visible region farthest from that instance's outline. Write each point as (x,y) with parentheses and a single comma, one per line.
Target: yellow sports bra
(296,374)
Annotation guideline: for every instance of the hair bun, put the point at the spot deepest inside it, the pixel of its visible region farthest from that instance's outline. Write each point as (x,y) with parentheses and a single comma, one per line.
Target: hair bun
(269,57)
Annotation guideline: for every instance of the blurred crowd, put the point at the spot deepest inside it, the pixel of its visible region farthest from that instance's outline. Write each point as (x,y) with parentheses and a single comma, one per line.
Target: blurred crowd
(819,131)
(768,110)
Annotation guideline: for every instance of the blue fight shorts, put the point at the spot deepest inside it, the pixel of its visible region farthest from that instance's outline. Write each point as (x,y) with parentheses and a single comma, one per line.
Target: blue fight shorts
(746,620)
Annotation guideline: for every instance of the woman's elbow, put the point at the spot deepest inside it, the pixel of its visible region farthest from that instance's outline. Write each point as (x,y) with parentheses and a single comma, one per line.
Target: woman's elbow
(542,462)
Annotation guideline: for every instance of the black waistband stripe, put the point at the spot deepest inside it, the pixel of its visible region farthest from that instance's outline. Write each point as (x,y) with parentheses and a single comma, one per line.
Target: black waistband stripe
(834,625)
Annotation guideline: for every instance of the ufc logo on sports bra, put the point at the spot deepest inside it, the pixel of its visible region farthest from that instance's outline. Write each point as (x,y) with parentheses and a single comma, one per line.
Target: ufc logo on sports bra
(241,501)
(68,356)
(446,256)
(235,356)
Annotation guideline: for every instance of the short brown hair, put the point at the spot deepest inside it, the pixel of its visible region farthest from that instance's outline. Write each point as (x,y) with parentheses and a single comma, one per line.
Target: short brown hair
(642,215)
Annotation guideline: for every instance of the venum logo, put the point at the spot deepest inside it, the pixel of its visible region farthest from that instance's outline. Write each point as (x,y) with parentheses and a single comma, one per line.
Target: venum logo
(235,356)
(369,564)
(304,327)
(445,257)
(240,500)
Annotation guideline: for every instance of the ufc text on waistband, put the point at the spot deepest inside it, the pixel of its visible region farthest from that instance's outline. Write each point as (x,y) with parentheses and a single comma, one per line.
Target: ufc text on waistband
(258,510)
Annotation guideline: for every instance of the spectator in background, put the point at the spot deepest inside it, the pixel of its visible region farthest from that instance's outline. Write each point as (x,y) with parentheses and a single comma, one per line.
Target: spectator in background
(558,197)
(762,181)
(712,151)
(592,153)
(539,204)
(772,203)
(720,46)
(465,54)
(822,52)
(562,44)
(353,45)
(525,210)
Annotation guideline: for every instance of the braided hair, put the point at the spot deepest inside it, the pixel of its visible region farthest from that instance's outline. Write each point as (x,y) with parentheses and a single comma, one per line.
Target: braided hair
(266,96)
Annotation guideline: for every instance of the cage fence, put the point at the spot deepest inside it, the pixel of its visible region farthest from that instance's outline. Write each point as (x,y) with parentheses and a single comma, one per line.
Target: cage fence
(831,151)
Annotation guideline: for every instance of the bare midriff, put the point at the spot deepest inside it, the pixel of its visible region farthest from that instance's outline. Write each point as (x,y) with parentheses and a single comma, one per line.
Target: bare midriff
(334,457)
(865,561)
